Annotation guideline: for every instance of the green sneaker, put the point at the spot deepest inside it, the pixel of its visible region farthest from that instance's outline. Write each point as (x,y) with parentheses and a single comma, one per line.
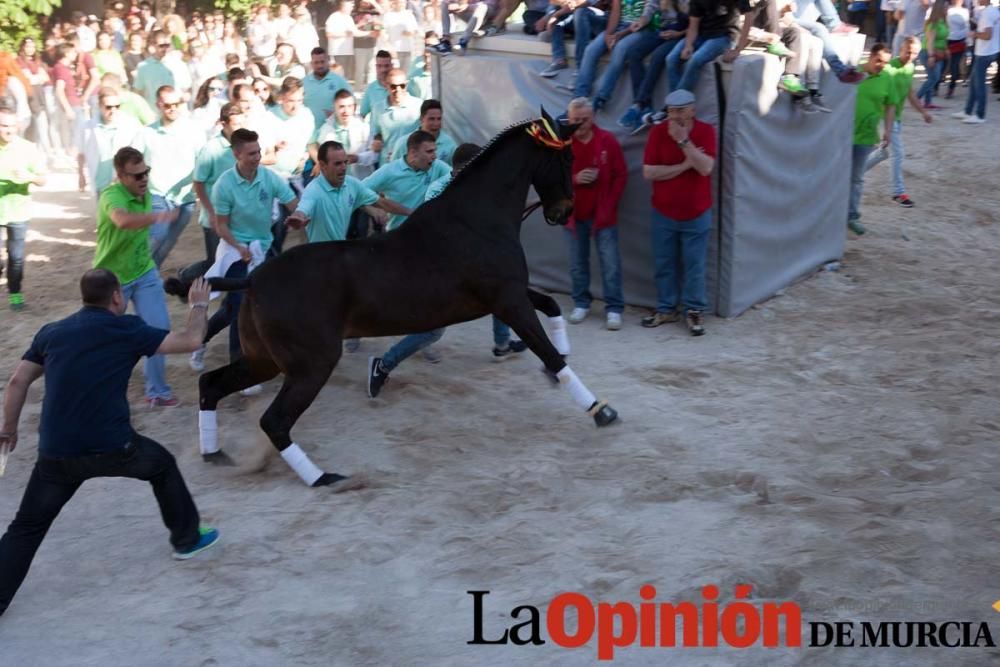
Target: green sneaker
(856,227)
(791,83)
(779,49)
(16,301)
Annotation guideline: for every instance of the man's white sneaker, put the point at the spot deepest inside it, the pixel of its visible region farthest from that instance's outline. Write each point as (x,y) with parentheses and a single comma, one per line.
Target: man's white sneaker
(578,315)
(614,321)
(960,115)
(197,360)
(252,391)
(974,120)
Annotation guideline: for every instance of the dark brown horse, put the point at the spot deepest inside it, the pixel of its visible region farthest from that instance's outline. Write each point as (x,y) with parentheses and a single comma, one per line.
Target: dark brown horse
(457,258)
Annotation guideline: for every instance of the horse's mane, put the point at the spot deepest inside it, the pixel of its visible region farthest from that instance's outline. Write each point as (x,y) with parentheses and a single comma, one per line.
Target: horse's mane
(486,150)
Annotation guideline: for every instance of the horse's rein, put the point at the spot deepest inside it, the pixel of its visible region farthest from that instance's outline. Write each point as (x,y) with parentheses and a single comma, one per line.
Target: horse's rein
(531,208)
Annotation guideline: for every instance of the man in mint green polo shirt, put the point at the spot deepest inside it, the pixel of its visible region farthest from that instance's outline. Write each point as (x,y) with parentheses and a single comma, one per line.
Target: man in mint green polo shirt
(330,199)
(873,105)
(243,199)
(405,181)
(124,214)
(170,146)
(321,85)
(103,136)
(431,119)
(21,165)
(401,117)
(214,159)
(376,97)
(151,72)
(903,68)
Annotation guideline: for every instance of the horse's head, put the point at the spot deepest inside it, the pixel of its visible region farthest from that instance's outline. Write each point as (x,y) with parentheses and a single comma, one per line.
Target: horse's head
(552,172)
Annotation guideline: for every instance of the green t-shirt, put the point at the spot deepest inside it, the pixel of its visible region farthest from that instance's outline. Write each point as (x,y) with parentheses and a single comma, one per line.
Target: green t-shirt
(939,31)
(874,94)
(902,80)
(249,203)
(18,155)
(445,147)
(135,106)
(149,76)
(395,122)
(319,94)
(124,252)
(375,100)
(405,185)
(329,209)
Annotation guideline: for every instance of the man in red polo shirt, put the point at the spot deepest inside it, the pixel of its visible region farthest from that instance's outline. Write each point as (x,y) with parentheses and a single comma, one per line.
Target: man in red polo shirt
(679,159)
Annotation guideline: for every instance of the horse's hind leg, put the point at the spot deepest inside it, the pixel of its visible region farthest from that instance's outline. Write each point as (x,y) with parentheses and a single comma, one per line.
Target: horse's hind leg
(297,393)
(216,385)
(522,319)
(557,325)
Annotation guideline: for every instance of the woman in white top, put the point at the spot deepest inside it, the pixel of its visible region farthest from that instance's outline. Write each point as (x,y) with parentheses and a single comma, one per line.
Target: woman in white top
(958,35)
(400,28)
(340,32)
(984,51)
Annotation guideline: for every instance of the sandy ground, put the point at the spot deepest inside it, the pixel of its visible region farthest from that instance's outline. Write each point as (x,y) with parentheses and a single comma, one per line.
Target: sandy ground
(834,446)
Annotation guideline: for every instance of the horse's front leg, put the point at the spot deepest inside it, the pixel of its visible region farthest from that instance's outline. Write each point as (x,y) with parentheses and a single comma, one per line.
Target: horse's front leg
(520,315)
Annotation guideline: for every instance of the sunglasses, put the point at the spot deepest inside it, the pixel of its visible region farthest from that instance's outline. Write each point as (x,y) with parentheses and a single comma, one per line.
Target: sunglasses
(139,176)
(109,107)
(163,46)
(397,86)
(170,105)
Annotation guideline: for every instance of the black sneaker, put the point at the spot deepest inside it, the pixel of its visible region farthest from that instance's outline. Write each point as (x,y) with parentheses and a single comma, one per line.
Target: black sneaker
(377,376)
(696,322)
(816,98)
(903,200)
(443,47)
(512,347)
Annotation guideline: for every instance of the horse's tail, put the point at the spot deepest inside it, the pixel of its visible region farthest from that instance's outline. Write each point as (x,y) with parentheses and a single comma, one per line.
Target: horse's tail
(179,288)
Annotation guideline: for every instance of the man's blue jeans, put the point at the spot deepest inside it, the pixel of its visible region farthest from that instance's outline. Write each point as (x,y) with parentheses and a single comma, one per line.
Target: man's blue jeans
(829,53)
(827,12)
(163,236)
(16,233)
(630,49)
(150,304)
(409,346)
(588,66)
(934,74)
(585,22)
(977,85)
(896,153)
(644,78)
(680,254)
(606,240)
(859,162)
(684,75)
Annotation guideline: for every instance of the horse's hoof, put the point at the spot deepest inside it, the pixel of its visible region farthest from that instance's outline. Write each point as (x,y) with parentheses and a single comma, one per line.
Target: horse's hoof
(219,458)
(604,414)
(339,483)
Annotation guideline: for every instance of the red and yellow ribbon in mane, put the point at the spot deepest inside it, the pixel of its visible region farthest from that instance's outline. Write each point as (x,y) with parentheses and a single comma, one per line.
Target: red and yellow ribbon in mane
(543,132)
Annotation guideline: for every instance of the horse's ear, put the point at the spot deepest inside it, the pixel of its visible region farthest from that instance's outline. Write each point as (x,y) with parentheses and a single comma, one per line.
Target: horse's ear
(566,130)
(545,115)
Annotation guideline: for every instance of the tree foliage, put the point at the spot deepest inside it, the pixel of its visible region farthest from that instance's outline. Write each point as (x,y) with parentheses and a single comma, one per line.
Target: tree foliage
(19,19)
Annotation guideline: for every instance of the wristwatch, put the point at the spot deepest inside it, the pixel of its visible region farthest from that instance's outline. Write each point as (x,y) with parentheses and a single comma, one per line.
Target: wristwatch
(683,142)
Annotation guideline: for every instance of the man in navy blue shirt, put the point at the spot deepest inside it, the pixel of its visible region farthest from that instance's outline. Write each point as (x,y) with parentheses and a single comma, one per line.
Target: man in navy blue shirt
(85,431)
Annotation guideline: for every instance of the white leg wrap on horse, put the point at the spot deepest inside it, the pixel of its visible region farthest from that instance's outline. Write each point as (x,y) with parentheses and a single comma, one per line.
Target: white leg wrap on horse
(581,395)
(300,463)
(558,332)
(208,432)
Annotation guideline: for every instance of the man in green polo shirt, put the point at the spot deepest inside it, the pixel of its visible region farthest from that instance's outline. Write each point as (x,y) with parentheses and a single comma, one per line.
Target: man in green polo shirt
(124,214)
(376,97)
(321,85)
(431,119)
(21,165)
(873,105)
(405,181)
(170,146)
(243,199)
(401,117)
(151,72)
(903,69)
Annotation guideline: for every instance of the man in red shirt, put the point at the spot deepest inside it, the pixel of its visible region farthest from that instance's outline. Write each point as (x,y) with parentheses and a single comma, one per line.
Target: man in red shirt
(679,159)
(599,175)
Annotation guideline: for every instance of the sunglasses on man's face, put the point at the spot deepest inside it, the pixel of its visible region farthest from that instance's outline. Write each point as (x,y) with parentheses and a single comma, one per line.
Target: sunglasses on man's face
(111,107)
(397,86)
(140,175)
(170,105)
(163,46)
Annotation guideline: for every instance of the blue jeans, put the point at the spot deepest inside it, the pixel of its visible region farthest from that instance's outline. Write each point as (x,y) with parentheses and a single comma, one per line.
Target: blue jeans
(896,153)
(977,85)
(649,75)
(588,66)
(827,12)
(409,346)
(829,53)
(150,304)
(16,233)
(501,333)
(630,49)
(163,236)
(585,22)
(606,241)
(859,161)
(684,75)
(228,313)
(927,91)
(680,247)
